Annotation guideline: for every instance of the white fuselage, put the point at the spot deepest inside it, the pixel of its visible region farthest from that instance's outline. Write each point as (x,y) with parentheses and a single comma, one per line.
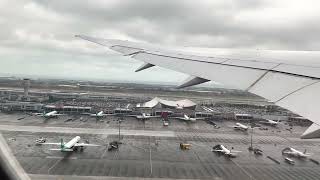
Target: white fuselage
(99,114)
(51,114)
(187,118)
(72,142)
(270,122)
(225,150)
(143,116)
(297,153)
(241,127)
(222,149)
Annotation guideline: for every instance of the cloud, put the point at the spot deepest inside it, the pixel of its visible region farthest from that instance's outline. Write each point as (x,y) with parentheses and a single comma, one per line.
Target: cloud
(37,36)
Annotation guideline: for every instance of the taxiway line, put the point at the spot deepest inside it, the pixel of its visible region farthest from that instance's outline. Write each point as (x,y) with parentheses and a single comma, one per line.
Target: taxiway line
(86,130)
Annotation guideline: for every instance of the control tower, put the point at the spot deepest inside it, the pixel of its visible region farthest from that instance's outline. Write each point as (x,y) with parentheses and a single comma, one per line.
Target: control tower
(26,86)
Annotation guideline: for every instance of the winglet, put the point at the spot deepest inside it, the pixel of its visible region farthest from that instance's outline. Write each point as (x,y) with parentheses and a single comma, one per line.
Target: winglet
(191,81)
(144,66)
(312,132)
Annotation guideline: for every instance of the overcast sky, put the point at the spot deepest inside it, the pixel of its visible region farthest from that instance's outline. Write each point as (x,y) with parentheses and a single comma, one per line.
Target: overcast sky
(37,36)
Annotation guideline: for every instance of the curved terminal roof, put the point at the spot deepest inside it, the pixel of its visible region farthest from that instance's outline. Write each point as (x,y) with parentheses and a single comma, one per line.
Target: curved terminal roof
(175,104)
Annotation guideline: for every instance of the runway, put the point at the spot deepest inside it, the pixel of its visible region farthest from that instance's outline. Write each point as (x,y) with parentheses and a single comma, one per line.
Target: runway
(85,130)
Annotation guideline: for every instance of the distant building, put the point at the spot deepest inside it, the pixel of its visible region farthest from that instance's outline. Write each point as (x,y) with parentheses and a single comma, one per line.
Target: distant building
(26,86)
(243,117)
(21,106)
(161,103)
(67,109)
(122,111)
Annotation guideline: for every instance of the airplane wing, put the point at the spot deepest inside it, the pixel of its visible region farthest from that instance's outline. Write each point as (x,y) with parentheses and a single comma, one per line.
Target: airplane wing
(217,150)
(180,118)
(84,144)
(51,144)
(235,151)
(200,118)
(289,79)
(59,149)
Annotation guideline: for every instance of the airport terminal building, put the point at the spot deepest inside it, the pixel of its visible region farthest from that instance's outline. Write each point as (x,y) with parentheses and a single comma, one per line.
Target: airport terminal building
(157,103)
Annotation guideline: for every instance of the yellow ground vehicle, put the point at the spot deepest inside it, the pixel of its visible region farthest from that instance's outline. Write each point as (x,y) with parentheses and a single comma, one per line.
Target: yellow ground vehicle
(185,146)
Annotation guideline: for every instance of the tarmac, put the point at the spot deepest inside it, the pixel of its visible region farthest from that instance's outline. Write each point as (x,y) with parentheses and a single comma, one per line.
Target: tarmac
(151,151)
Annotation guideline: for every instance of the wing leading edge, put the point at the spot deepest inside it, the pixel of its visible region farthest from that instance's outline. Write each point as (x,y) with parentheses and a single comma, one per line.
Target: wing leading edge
(283,81)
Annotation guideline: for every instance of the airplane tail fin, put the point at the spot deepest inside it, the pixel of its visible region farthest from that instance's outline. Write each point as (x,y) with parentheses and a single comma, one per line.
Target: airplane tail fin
(61,144)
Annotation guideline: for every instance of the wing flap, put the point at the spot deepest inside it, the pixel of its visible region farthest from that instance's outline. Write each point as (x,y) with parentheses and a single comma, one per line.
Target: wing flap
(304,102)
(274,86)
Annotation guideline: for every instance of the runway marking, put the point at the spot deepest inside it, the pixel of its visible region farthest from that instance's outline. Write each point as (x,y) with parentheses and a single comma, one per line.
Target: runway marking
(59,157)
(150,158)
(246,172)
(54,165)
(103,153)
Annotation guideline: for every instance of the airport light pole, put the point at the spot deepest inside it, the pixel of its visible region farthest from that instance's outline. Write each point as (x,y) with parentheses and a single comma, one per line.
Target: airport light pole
(251,146)
(251,138)
(119,122)
(119,128)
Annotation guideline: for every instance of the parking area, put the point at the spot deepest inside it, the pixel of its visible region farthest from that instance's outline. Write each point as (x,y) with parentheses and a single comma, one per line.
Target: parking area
(150,150)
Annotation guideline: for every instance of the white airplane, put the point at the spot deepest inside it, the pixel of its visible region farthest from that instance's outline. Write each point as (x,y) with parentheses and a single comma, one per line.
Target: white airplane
(293,152)
(241,127)
(222,149)
(187,118)
(72,145)
(270,122)
(99,114)
(287,78)
(49,114)
(145,116)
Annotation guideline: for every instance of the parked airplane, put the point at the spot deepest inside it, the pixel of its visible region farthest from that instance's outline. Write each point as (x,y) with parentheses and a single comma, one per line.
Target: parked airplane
(49,114)
(98,114)
(72,145)
(293,152)
(270,122)
(187,118)
(145,116)
(241,127)
(222,149)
